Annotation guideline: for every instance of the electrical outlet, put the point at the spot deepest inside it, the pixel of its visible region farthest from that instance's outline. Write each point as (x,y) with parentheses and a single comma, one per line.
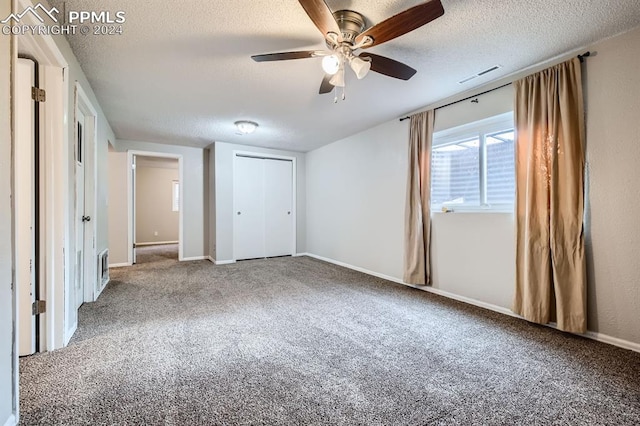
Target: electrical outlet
(155,233)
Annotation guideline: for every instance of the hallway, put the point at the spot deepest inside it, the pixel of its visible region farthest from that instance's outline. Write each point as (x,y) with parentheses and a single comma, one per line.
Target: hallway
(157,253)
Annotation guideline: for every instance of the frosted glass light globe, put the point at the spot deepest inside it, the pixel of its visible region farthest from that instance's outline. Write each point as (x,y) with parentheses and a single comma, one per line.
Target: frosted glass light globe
(331,64)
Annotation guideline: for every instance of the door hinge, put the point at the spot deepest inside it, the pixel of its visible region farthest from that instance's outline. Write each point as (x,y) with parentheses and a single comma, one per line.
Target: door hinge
(38,307)
(38,95)
(134,245)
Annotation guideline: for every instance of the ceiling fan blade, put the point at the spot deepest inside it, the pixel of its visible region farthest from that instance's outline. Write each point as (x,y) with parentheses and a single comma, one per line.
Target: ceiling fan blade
(283,56)
(326,86)
(402,23)
(389,67)
(322,17)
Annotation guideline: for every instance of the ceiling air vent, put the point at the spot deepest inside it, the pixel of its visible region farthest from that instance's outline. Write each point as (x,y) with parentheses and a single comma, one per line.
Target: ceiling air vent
(480,74)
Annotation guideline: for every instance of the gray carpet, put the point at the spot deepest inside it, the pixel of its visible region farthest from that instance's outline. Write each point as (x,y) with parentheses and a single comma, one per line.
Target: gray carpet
(296,341)
(156,253)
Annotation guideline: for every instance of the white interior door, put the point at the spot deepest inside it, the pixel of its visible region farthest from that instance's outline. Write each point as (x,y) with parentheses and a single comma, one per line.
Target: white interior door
(249,208)
(25,205)
(278,190)
(133,207)
(81,219)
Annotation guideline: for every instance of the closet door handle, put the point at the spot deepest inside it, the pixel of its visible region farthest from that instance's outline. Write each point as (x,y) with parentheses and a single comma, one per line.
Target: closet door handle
(238,213)
(288,212)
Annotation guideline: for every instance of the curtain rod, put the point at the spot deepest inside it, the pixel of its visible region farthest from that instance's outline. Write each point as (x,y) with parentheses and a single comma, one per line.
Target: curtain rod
(581,57)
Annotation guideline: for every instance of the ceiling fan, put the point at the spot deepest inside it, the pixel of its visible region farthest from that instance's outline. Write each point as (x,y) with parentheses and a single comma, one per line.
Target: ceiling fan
(345,33)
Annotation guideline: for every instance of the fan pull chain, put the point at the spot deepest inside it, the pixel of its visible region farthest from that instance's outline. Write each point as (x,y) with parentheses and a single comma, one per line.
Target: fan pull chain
(335,94)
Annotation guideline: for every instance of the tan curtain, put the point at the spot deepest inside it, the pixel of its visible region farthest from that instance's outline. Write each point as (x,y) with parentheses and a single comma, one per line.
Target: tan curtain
(550,269)
(417,265)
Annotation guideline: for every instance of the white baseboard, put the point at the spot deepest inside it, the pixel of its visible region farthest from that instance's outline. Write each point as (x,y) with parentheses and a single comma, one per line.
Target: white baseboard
(101,289)
(302,254)
(211,259)
(158,243)
(468,300)
(604,338)
(357,268)
(119,265)
(70,332)
(223,262)
(189,259)
(11,421)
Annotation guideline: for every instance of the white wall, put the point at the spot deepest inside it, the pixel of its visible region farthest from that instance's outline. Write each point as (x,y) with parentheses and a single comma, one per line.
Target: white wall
(212,214)
(613,155)
(195,241)
(117,207)
(104,133)
(488,105)
(7,314)
(223,171)
(356,189)
(473,253)
(206,201)
(356,196)
(155,219)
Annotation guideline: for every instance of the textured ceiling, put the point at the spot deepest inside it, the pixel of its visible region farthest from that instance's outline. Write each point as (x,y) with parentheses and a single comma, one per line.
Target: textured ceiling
(181,73)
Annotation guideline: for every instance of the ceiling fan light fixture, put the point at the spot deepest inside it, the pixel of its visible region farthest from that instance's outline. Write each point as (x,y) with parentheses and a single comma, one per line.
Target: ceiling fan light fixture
(360,67)
(246,127)
(331,64)
(338,78)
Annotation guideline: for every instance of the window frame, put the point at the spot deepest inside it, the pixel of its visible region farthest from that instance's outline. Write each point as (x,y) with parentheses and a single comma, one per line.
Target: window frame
(470,131)
(175,195)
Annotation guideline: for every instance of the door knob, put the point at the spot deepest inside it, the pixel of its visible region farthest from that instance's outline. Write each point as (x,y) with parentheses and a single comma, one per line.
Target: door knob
(238,213)
(86,218)
(288,212)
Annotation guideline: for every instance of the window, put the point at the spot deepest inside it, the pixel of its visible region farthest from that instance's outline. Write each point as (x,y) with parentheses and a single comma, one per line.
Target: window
(473,166)
(80,143)
(175,196)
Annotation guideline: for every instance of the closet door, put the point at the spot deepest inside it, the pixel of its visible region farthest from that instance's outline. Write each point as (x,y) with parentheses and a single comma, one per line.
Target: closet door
(278,191)
(249,208)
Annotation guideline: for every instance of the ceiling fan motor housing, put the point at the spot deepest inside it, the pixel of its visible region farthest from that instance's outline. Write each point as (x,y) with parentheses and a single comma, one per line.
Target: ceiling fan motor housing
(351,24)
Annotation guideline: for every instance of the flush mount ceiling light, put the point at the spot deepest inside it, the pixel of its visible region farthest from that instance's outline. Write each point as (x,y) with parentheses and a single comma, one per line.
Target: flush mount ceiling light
(246,127)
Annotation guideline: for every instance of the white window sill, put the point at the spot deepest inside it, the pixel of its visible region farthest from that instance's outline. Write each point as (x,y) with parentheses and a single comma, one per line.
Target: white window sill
(438,210)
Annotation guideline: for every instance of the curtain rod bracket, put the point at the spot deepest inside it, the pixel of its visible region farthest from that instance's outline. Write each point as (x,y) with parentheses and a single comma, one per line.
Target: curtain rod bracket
(584,55)
(473,98)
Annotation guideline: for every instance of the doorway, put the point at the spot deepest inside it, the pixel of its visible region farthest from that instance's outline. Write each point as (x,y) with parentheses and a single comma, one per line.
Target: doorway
(40,225)
(86,285)
(81,218)
(40,181)
(26,205)
(156,203)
